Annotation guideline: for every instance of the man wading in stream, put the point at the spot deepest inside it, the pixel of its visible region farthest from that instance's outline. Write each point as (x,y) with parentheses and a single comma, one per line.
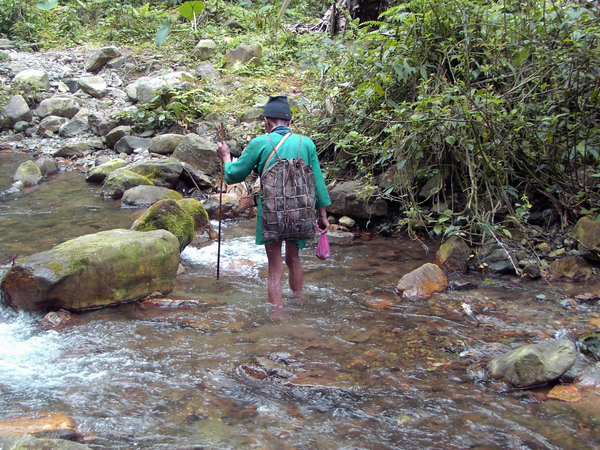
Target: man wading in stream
(278,116)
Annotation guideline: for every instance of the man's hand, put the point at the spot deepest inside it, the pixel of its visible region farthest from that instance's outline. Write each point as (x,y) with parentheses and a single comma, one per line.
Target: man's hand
(223,152)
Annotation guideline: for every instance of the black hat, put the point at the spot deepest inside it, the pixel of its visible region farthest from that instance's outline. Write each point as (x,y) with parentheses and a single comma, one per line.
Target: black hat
(278,108)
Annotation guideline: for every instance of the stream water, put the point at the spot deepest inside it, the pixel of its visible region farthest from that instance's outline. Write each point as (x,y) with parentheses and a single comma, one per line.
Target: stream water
(348,365)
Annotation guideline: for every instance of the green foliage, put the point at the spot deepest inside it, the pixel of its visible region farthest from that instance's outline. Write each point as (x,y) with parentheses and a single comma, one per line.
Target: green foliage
(46,5)
(486,95)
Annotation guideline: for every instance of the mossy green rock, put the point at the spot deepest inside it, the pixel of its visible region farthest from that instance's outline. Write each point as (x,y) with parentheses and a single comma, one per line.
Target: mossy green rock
(536,364)
(587,233)
(162,172)
(28,173)
(95,270)
(201,220)
(168,215)
(100,173)
(118,181)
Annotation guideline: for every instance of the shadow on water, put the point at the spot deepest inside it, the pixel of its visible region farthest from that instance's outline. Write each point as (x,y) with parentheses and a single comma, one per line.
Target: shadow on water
(348,365)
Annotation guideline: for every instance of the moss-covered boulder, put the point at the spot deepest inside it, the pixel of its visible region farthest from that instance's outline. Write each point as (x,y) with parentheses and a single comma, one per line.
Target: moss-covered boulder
(100,173)
(453,255)
(587,233)
(535,364)
(201,220)
(118,181)
(28,173)
(92,271)
(162,172)
(168,215)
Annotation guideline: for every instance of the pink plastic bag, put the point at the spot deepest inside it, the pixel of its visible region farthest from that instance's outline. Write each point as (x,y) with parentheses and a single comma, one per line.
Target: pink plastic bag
(323,247)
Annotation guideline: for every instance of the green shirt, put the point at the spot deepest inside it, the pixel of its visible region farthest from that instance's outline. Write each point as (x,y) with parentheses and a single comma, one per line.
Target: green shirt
(256,154)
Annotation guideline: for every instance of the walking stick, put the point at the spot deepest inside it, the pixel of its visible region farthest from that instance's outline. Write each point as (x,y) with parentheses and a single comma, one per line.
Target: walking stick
(220,206)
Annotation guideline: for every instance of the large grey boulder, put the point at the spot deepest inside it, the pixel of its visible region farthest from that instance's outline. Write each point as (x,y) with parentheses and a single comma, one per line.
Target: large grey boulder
(47,165)
(144,89)
(204,49)
(162,172)
(16,110)
(92,271)
(100,173)
(536,364)
(28,173)
(117,133)
(94,86)
(34,78)
(199,153)
(127,144)
(351,199)
(243,54)
(165,144)
(497,258)
(72,148)
(58,106)
(148,195)
(101,122)
(73,128)
(118,181)
(99,58)
(195,178)
(52,124)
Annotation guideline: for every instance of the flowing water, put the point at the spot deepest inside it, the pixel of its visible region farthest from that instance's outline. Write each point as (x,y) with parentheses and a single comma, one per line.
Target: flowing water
(347,365)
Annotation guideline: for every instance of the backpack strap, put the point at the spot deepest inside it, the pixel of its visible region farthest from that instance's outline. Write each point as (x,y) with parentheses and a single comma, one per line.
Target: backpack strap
(275,150)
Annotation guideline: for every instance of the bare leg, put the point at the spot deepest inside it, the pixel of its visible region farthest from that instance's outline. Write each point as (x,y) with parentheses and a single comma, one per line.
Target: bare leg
(292,260)
(275,272)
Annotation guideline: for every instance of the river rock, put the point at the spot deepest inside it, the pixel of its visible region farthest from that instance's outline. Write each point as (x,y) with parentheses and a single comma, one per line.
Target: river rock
(34,78)
(144,89)
(497,258)
(148,195)
(194,178)
(29,442)
(99,58)
(587,234)
(168,215)
(118,181)
(201,220)
(56,320)
(127,144)
(165,143)
(243,53)
(207,71)
(568,269)
(101,122)
(204,49)
(52,124)
(162,172)
(15,111)
(199,153)
(589,343)
(47,166)
(348,199)
(58,106)
(99,174)
(534,365)
(95,270)
(28,173)
(423,282)
(453,255)
(72,148)
(116,134)
(94,86)
(43,425)
(73,128)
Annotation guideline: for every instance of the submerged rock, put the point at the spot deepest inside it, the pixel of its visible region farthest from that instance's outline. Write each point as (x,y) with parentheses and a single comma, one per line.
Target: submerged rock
(423,282)
(29,442)
(95,270)
(28,173)
(44,425)
(536,364)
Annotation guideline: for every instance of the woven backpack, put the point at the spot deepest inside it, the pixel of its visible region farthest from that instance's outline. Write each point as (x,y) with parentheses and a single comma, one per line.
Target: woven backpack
(288,198)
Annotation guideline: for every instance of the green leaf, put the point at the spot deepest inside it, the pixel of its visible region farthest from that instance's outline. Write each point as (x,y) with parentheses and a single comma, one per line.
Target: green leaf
(507,233)
(46,5)
(451,140)
(191,10)
(163,33)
